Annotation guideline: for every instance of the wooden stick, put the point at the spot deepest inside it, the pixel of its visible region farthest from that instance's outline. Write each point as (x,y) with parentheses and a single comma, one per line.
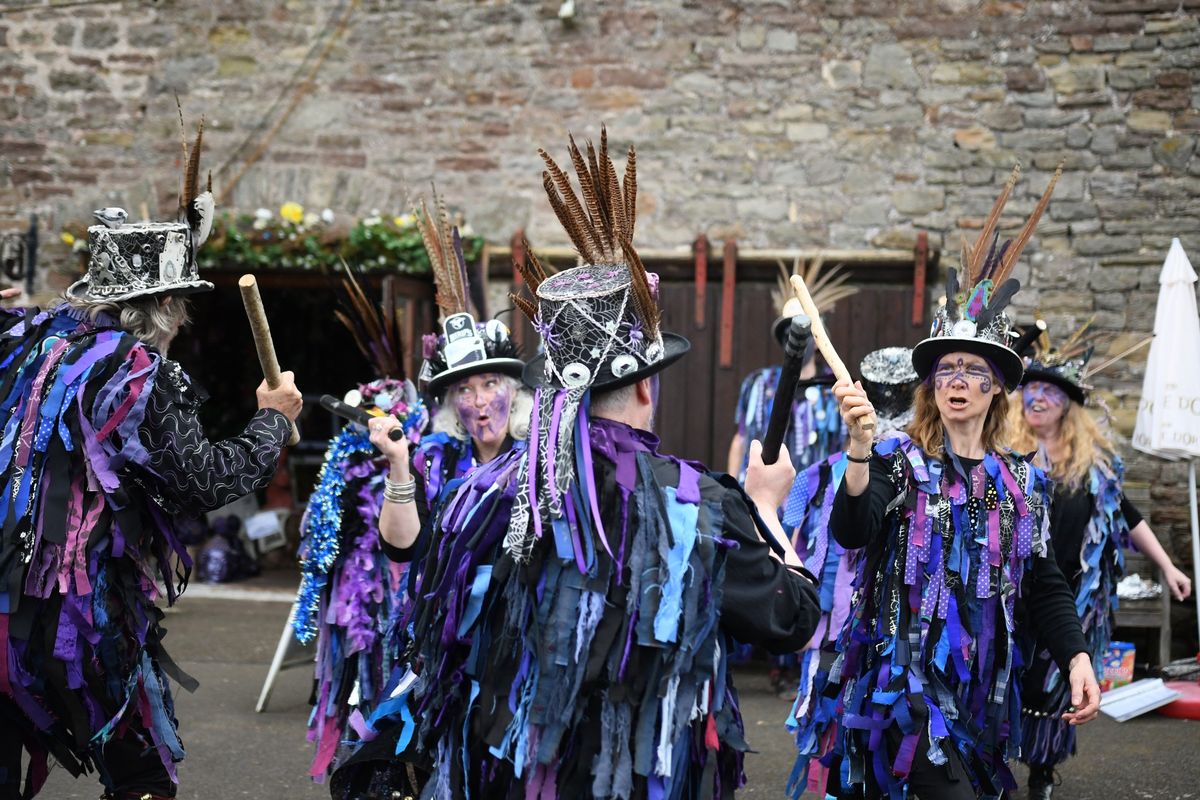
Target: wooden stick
(824,345)
(262,338)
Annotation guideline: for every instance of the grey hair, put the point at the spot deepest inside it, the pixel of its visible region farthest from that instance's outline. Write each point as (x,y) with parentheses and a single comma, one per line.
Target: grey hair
(148,318)
(446,419)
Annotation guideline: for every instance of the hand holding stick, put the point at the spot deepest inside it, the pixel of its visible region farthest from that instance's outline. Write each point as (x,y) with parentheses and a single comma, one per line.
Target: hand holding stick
(823,344)
(785,392)
(262,338)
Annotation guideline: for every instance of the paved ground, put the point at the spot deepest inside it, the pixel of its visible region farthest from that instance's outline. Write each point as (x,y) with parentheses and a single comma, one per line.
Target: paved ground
(236,753)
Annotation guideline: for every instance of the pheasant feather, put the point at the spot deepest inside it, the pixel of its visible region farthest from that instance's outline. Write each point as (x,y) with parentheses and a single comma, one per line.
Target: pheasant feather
(1010,258)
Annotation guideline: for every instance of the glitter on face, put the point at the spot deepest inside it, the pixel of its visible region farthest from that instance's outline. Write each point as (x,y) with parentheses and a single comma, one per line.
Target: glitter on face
(482,403)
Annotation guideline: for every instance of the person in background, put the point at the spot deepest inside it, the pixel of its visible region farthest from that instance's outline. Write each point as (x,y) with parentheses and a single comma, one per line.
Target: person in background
(1090,522)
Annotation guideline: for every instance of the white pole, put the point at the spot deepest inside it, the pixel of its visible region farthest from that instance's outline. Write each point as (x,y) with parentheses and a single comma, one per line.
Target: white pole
(1195,538)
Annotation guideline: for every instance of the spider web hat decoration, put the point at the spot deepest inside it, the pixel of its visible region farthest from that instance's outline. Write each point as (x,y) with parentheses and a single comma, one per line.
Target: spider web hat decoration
(826,290)
(128,260)
(600,326)
(973,319)
(465,346)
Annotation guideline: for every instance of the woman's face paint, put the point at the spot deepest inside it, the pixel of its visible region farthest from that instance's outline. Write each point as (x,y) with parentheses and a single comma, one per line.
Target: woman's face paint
(1045,404)
(963,385)
(482,403)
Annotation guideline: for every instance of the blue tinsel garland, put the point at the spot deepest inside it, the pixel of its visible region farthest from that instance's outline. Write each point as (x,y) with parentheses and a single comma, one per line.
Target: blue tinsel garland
(323,526)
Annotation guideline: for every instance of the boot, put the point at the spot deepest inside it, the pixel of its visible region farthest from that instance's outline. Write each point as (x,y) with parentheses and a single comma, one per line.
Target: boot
(1041,781)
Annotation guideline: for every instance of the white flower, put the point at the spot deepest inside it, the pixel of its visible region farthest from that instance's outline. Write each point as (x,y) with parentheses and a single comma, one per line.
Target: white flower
(263,214)
(327,216)
(373,220)
(466,230)
(311,219)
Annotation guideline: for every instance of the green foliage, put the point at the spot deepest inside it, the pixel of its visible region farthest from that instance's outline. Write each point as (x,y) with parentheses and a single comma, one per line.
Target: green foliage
(299,241)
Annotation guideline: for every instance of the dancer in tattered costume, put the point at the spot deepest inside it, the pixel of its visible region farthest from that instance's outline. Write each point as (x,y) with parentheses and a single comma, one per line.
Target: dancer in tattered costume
(889,380)
(1091,521)
(924,697)
(473,370)
(350,595)
(101,458)
(574,611)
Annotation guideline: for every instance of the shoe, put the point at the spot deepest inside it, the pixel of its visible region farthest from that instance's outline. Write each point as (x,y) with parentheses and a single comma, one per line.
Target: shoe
(1042,781)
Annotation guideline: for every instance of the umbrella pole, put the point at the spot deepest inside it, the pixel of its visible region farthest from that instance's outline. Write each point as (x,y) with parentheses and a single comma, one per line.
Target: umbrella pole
(1195,538)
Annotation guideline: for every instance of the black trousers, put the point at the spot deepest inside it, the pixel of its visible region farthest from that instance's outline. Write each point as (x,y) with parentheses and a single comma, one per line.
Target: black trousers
(127,767)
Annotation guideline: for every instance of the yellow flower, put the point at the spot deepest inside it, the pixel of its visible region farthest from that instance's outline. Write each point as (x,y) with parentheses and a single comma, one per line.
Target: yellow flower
(404,220)
(68,238)
(292,212)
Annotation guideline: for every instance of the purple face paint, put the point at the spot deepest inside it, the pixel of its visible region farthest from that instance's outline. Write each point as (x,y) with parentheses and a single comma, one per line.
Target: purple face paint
(482,403)
(1040,393)
(974,374)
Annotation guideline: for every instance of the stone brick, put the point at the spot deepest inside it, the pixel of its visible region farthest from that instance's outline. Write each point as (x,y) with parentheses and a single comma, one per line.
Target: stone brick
(778,39)
(1128,158)
(1148,121)
(1175,152)
(1073,80)
(1052,118)
(1078,136)
(236,67)
(100,35)
(975,139)
(75,81)
(807,131)
(1127,78)
(1163,99)
(1025,79)
(966,74)
(752,37)
(1106,245)
(842,74)
(1003,118)
(919,200)
(890,66)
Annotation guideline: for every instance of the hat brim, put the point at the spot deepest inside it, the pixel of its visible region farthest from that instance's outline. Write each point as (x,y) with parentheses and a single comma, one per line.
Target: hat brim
(926,354)
(79,291)
(439,383)
(675,347)
(1073,391)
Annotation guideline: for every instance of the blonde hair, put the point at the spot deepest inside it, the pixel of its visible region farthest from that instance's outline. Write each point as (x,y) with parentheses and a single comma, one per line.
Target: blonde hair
(927,431)
(446,419)
(148,318)
(1084,444)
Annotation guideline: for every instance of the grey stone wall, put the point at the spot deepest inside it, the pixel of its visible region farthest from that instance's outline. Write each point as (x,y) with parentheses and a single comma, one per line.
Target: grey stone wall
(841,123)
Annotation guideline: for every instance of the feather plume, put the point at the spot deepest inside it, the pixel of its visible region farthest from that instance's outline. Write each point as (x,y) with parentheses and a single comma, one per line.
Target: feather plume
(952,289)
(629,187)
(647,308)
(587,186)
(1014,252)
(183,198)
(200,218)
(527,306)
(989,226)
(998,302)
(446,260)
(374,326)
(191,177)
(826,289)
(577,219)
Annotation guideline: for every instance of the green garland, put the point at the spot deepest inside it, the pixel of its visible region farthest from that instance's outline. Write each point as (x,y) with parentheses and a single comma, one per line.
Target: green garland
(294,240)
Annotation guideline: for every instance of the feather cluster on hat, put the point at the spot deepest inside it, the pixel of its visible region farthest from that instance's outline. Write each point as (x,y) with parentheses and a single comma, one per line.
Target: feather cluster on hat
(600,222)
(826,288)
(376,327)
(443,244)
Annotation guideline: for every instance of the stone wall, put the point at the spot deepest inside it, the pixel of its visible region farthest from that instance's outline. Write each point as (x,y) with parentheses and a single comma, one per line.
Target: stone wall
(807,123)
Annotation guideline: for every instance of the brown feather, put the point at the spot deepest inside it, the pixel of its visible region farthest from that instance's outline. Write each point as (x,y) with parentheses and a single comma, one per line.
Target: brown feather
(525,304)
(534,264)
(587,186)
(620,222)
(630,192)
(453,269)
(643,301)
(578,238)
(191,179)
(183,199)
(1014,250)
(576,215)
(979,253)
(594,171)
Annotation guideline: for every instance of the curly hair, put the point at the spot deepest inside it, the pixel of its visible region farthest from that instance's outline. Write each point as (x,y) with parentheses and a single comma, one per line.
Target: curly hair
(1084,443)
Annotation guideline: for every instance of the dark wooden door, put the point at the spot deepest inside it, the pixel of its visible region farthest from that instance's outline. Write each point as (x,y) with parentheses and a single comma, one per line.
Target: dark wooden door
(699,396)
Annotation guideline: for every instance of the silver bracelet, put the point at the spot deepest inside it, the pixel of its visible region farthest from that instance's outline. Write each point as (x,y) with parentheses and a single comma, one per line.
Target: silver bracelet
(396,492)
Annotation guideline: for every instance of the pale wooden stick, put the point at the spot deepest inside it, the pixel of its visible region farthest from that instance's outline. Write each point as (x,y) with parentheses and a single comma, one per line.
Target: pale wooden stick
(824,345)
(262,338)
